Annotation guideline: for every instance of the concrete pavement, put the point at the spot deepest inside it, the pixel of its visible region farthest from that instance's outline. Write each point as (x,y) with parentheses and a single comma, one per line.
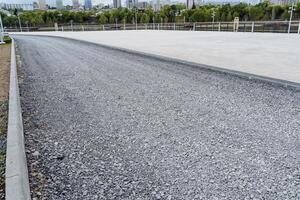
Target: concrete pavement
(265,54)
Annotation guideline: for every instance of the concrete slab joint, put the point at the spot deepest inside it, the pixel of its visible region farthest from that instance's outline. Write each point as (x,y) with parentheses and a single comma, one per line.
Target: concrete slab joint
(16,175)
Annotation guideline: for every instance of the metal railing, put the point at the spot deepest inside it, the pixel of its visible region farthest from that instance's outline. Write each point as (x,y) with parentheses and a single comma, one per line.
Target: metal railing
(243,26)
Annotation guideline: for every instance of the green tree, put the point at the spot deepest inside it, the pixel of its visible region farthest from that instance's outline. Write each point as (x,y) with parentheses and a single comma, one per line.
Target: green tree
(229,17)
(145,18)
(256,13)
(103,19)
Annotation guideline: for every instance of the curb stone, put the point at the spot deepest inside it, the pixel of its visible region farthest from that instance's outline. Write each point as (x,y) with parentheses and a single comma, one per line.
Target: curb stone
(16,174)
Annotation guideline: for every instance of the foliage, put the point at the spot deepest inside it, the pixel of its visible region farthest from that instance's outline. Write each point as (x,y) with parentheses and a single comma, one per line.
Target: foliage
(168,13)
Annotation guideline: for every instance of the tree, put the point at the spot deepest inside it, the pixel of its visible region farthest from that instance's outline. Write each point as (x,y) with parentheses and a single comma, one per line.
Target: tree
(103,19)
(168,13)
(198,16)
(229,17)
(256,13)
(145,19)
(285,15)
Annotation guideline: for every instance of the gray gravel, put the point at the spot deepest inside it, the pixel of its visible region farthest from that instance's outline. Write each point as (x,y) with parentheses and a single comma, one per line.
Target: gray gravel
(104,124)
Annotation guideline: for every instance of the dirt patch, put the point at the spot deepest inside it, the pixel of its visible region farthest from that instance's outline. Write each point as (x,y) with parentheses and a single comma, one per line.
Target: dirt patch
(4,88)
(4,71)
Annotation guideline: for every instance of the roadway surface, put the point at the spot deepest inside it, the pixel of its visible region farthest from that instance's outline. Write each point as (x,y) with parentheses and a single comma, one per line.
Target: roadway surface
(104,124)
(271,55)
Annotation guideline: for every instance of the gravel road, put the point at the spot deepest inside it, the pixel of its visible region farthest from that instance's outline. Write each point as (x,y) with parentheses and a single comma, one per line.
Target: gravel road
(104,124)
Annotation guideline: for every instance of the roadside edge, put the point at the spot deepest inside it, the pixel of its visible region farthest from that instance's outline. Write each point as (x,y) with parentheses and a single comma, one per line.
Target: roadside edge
(16,174)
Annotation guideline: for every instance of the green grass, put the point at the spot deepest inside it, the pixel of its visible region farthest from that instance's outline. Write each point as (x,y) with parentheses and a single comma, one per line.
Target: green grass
(7,39)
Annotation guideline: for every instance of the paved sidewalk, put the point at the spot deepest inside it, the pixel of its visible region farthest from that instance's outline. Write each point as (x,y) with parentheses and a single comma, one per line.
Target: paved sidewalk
(265,54)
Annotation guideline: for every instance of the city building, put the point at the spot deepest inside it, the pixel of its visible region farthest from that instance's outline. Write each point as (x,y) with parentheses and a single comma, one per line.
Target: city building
(190,4)
(59,5)
(12,6)
(117,3)
(131,3)
(51,3)
(282,2)
(156,5)
(42,5)
(88,4)
(35,5)
(75,4)
(143,4)
(200,2)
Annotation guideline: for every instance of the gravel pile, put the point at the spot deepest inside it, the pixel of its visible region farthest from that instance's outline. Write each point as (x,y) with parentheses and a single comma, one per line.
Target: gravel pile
(103,124)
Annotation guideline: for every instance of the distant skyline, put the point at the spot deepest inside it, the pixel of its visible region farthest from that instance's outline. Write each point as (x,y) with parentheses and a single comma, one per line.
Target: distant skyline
(50,2)
(96,2)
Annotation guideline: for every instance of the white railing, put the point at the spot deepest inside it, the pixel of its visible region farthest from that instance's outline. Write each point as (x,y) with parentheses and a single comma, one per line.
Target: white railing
(242,26)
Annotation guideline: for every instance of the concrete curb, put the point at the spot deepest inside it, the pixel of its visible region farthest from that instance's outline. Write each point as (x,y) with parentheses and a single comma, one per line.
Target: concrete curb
(248,76)
(16,175)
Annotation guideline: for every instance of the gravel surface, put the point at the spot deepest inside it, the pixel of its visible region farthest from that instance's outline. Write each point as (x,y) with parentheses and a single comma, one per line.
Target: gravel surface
(104,124)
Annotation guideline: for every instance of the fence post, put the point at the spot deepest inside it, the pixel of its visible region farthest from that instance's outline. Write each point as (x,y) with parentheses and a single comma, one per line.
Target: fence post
(62,29)
(103,28)
(252,29)
(157,26)
(299,28)
(194,28)
(82,27)
(124,26)
(219,26)
(146,26)
(174,26)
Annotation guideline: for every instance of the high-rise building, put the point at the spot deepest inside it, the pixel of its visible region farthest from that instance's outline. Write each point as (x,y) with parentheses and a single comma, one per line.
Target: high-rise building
(51,3)
(75,4)
(59,4)
(199,2)
(117,3)
(131,3)
(156,5)
(190,4)
(35,5)
(88,4)
(12,6)
(42,5)
(143,5)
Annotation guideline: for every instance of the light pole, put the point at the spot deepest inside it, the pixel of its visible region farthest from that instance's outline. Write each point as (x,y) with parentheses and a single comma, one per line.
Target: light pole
(136,9)
(27,26)
(291,10)
(213,14)
(125,23)
(1,31)
(116,22)
(153,27)
(59,15)
(19,22)
(72,25)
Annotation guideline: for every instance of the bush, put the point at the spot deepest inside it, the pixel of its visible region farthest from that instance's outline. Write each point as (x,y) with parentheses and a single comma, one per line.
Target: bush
(7,39)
